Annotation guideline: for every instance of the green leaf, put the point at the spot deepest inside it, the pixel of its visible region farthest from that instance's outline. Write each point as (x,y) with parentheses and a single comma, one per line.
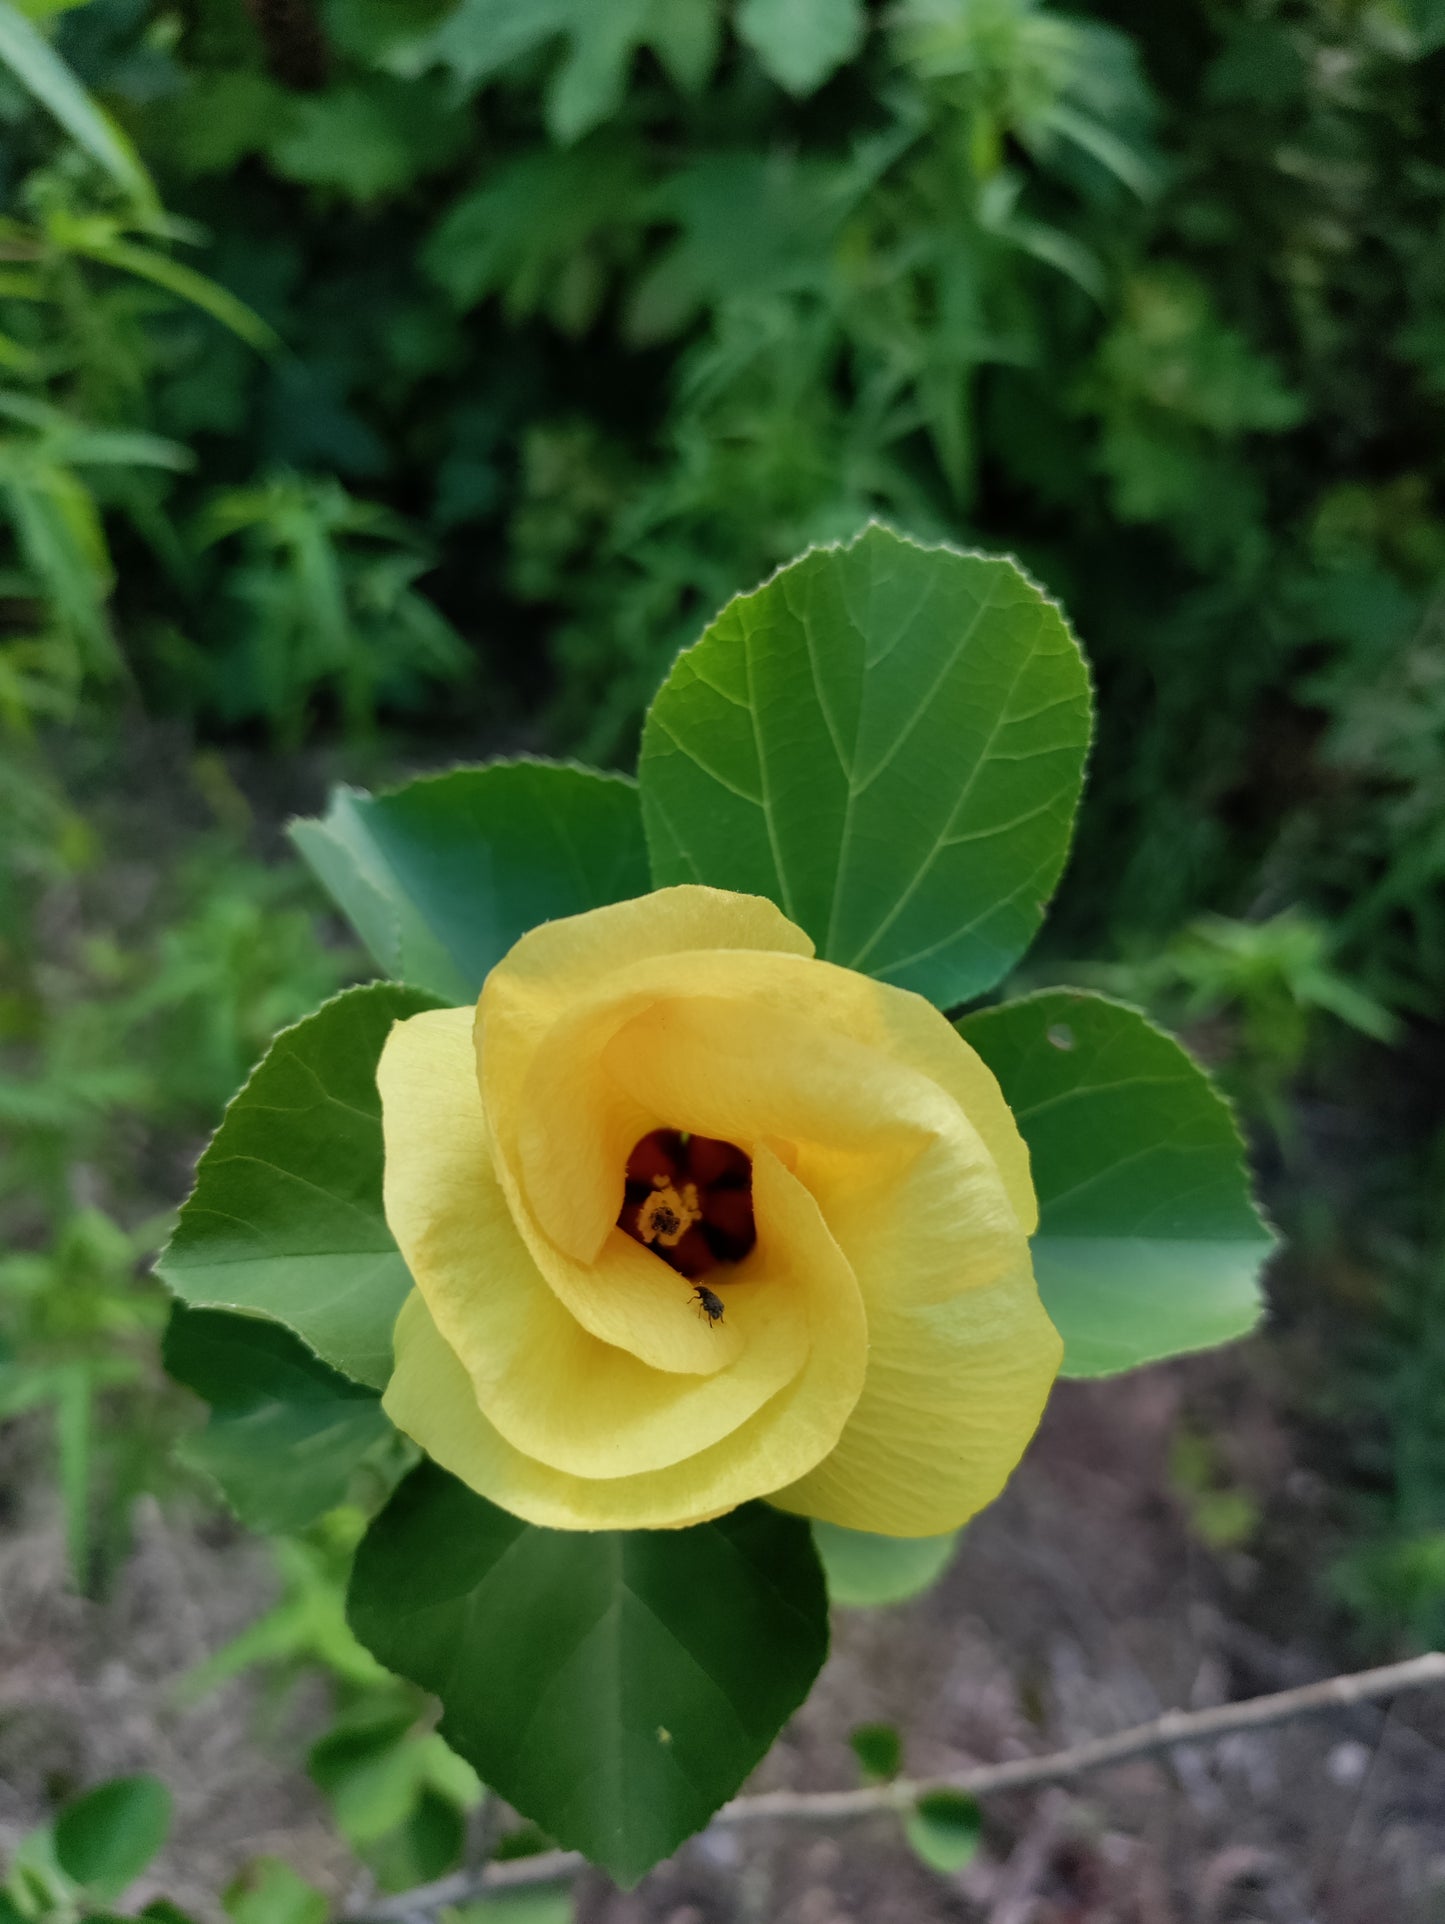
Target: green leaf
(685,38)
(286,1432)
(372,30)
(479,38)
(944,1827)
(429,1842)
(35,1886)
(376,1769)
(161,1910)
(888,741)
(879,1750)
(285,1219)
(221,117)
(865,1570)
(524,1840)
(368,137)
(105,1839)
(1148,1243)
(801,42)
(268,1891)
(441,877)
(520,1907)
(40,70)
(615,1687)
(365,1771)
(596,43)
(524,228)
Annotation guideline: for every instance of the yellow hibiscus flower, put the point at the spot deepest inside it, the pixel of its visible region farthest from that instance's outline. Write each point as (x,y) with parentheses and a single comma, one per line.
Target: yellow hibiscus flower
(694,1217)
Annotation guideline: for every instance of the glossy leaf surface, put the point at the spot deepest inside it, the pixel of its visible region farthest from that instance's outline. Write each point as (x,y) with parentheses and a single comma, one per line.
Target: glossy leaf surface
(1149,1243)
(886,740)
(440,877)
(616,1687)
(286,1432)
(285,1219)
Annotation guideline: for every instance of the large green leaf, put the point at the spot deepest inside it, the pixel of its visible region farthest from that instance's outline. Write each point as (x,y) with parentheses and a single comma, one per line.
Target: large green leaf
(285,1219)
(615,1687)
(440,877)
(888,741)
(286,1432)
(1149,1243)
(105,1839)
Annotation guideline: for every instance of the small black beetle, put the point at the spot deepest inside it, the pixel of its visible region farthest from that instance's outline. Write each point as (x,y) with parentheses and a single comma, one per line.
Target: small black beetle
(710,1305)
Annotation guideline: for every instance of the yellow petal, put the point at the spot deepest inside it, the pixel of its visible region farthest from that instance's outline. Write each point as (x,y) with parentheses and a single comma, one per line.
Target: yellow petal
(580,1113)
(614,1287)
(559,1366)
(438,1155)
(874,1141)
(553,1390)
(540,978)
(563,965)
(961,1358)
(431,1398)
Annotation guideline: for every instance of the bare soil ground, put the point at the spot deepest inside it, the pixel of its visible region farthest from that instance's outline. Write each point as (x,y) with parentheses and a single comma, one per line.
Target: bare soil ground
(1081,1603)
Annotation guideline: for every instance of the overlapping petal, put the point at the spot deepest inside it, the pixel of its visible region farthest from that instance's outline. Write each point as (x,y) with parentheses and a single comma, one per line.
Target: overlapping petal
(433,1399)
(551,1388)
(956,1386)
(881,1356)
(525,1004)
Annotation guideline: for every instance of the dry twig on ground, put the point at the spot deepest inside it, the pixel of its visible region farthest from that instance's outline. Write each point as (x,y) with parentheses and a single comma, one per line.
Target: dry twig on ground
(1174,1728)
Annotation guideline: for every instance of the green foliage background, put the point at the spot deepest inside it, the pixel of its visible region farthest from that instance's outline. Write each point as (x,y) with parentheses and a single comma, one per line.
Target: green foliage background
(592,314)
(484,348)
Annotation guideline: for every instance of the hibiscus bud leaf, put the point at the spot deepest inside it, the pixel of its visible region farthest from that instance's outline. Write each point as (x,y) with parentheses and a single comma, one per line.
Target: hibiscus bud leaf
(888,741)
(615,1687)
(865,1570)
(287,1433)
(1149,1243)
(285,1219)
(441,876)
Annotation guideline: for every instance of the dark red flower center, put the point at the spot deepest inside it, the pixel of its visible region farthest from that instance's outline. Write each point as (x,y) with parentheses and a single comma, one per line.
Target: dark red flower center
(690,1200)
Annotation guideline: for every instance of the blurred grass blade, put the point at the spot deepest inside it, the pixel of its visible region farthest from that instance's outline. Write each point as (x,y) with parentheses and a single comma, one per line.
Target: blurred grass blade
(1128,166)
(184,282)
(45,76)
(126,448)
